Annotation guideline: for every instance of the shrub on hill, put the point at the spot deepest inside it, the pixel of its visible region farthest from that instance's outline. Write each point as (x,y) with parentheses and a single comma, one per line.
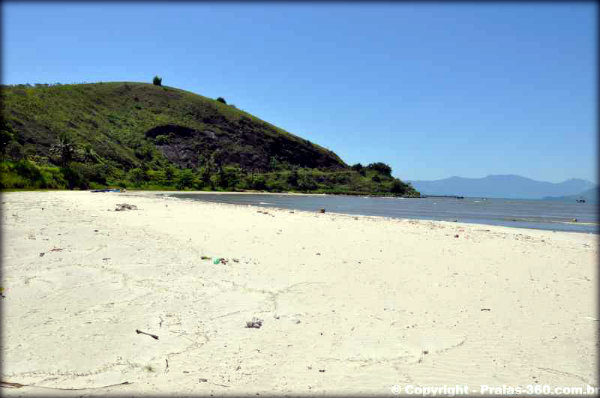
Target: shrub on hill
(5,138)
(74,176)
(381,168)
(157,81)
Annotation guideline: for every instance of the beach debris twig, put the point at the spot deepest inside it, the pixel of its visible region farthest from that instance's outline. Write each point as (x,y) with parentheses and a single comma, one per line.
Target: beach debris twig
(7,384)
(322,211)
(255,323)
(147,334)
(54,249)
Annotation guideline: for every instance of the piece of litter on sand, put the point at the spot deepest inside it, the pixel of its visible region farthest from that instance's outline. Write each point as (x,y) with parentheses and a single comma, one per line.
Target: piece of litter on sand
(486,309)
(205,258)
(456,236)
(42,254)
(216,260)
(125,206)
(589,318)
(255,323)
(201,380)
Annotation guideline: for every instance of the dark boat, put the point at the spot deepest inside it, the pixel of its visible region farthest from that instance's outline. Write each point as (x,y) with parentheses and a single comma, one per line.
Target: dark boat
(580,200)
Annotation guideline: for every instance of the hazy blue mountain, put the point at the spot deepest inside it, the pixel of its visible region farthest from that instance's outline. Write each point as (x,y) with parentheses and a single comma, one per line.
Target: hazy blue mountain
(502,186)
(590,196)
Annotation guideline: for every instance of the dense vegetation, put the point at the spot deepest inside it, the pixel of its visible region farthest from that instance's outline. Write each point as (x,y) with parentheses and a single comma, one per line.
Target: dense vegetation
(150,136)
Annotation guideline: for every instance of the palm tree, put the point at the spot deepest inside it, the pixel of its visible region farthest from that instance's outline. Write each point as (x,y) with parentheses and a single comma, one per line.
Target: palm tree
(64,149)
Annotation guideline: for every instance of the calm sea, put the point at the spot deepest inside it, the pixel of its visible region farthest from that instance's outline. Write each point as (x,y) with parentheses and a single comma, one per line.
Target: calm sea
(539,214)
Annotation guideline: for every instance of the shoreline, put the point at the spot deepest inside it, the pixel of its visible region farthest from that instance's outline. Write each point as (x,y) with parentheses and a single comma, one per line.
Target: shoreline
(349,304)
(167,194)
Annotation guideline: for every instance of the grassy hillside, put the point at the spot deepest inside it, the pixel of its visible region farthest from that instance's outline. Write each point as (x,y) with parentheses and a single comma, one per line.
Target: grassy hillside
(156,137)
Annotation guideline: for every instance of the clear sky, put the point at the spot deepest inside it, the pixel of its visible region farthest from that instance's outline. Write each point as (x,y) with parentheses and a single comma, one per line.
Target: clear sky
(433,89)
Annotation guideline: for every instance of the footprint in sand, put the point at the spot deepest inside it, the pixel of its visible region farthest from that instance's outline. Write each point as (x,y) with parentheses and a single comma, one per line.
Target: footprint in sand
(373,347)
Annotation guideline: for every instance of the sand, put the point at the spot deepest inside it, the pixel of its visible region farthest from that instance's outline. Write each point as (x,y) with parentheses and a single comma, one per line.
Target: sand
(349,304)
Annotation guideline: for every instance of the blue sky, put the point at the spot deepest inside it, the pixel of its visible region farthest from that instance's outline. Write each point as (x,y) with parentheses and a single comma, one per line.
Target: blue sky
(433,89)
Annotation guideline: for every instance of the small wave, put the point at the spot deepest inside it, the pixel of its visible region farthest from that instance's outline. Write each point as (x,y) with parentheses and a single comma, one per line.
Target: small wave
(264,203)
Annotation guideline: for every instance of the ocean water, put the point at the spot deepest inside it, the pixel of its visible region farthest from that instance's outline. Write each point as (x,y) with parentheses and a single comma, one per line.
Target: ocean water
(537,214)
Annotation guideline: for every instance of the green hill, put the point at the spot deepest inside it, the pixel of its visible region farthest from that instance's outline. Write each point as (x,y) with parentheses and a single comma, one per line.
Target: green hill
(156,137)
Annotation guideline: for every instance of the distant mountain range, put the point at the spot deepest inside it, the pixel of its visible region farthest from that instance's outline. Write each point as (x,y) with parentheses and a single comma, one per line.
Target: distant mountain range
(505,186)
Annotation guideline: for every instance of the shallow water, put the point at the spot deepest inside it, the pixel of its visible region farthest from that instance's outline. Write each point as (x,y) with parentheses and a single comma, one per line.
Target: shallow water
(537,214)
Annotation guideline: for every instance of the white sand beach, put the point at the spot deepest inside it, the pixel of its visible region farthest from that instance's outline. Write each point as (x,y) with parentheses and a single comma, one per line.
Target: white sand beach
(348,304)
